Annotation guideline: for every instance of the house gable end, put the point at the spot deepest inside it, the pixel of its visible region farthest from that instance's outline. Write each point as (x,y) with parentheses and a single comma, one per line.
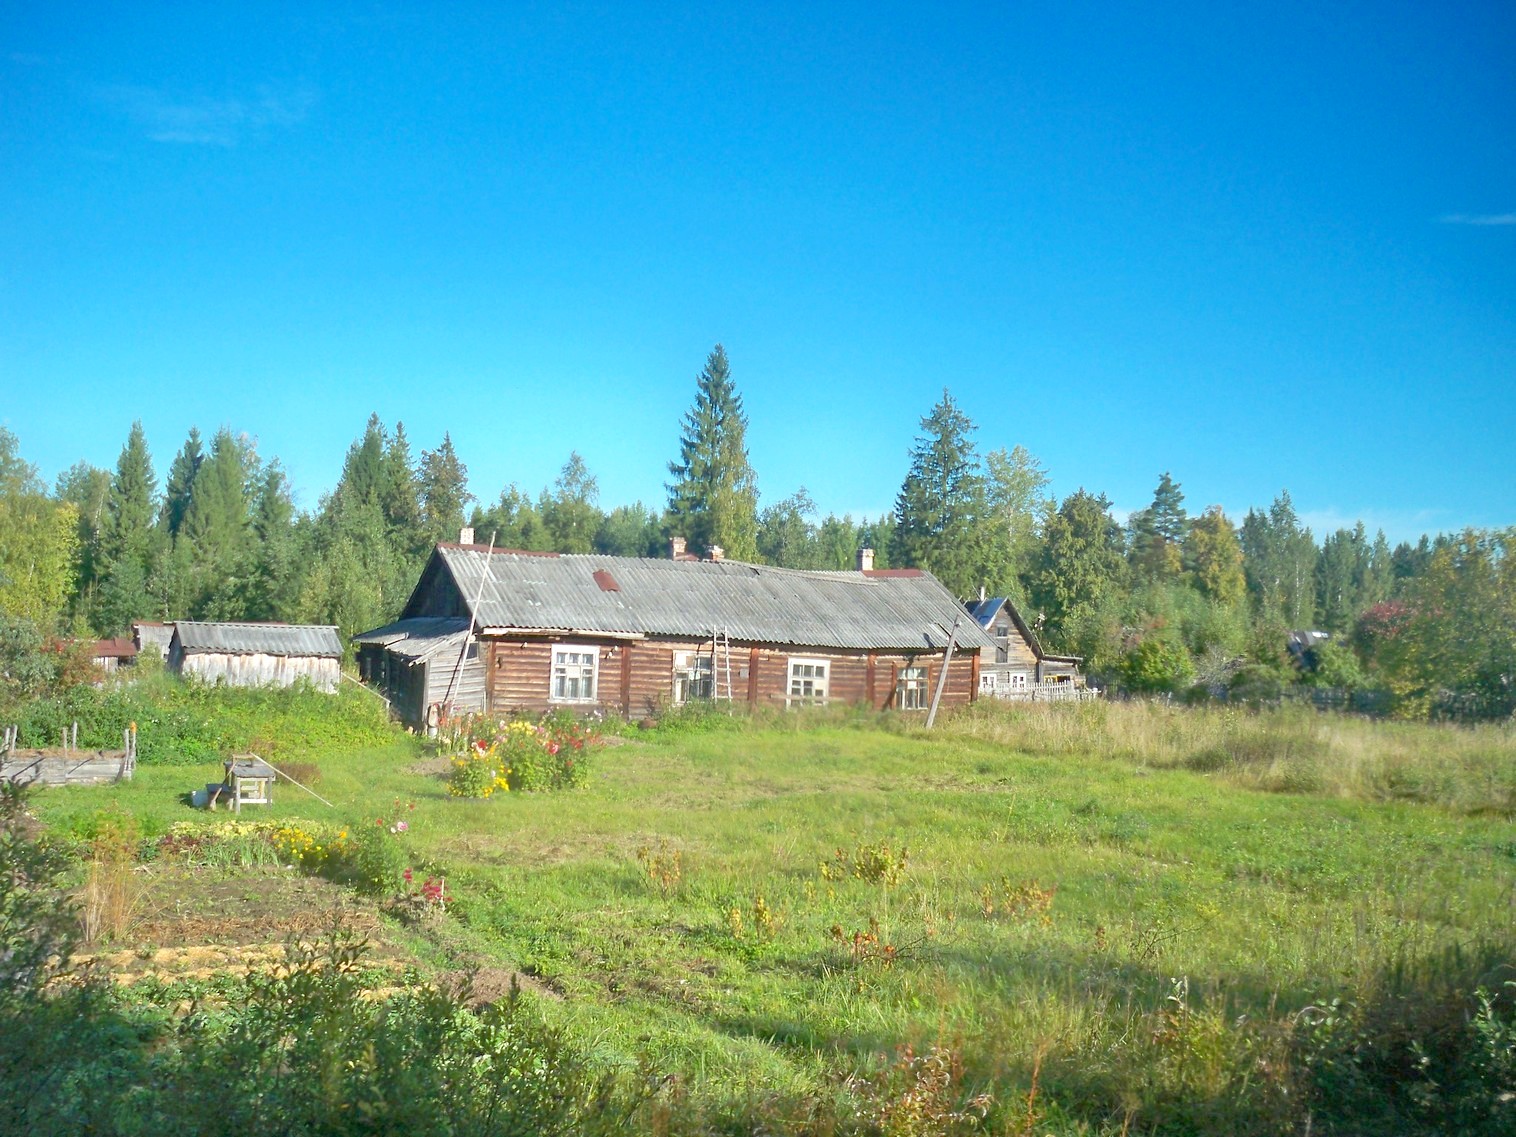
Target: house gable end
(436,593)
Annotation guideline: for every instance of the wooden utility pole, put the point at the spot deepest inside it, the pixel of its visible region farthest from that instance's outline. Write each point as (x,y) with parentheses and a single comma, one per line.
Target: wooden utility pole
(947,663)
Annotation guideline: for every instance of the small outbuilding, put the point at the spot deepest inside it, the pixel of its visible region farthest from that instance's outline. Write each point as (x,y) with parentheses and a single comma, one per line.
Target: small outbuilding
(108,655)
(153,635)
(257,655)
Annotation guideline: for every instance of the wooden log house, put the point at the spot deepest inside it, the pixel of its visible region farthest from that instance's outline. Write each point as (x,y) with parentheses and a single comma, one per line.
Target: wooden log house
(508,632)
(1018,666)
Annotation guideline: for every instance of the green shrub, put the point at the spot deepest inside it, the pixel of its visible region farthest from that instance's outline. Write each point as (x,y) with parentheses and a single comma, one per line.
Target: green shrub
(190,724)
(1156,666)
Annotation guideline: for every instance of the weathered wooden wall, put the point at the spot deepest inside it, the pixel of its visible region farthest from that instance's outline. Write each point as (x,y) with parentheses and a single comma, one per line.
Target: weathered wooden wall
(257,670)
(75,767)
(635,679)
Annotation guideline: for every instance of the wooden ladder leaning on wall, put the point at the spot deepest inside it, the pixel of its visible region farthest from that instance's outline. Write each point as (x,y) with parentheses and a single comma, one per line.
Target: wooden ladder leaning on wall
(721,665)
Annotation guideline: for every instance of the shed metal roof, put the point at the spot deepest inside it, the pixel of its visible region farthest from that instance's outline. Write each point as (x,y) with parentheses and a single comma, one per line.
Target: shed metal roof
(420,637)
(318,640)
(751,603)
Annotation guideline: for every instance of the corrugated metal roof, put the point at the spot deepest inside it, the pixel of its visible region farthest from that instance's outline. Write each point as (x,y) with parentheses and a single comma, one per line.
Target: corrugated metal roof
(752,603)
(259,639)
(420,637)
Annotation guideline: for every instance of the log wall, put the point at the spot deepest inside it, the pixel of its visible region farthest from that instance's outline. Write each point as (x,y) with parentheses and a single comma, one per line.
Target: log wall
(637,678)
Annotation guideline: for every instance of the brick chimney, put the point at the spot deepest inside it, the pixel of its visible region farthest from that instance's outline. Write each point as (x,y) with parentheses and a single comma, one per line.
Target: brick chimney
(676,549)
(466,535)
(714,552)
(865,560)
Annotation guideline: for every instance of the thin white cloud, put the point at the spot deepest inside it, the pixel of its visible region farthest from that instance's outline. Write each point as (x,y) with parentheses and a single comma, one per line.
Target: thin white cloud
(202,121)
(1398,524)
(1479,219)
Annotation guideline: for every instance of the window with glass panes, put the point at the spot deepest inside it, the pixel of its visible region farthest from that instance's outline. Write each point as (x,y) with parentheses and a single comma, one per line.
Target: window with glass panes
(910,689)
(693,676)
(574,674)
(808,680)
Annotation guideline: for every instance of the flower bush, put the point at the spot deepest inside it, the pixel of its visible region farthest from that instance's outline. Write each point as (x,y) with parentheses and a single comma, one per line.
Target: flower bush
(489,756)
(314,847)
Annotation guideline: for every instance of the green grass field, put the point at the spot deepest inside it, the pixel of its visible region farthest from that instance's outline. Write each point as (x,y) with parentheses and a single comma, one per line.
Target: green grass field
(1160,919)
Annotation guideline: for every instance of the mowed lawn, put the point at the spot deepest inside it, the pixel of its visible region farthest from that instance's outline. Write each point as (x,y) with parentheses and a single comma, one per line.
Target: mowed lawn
(1135,931)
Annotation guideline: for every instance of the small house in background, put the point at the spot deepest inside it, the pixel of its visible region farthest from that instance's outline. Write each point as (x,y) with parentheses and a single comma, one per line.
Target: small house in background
(108,655)
(1019,668)
(151,634)
(257,655)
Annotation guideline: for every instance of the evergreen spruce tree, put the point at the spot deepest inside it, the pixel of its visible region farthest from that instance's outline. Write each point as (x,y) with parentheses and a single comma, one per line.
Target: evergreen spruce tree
(400,492)
(942,517)
(443,485)
(87,488)
(217,529)
(272,592)
(129,542)
(181,483)
(1158,533)
(363,470)
(713,499)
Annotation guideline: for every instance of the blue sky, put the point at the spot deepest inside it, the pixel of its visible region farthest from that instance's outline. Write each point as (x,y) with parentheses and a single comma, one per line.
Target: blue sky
(1259,249)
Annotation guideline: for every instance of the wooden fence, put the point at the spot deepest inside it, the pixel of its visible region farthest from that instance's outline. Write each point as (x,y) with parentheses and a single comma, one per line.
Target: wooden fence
(66,764)
(1045,693)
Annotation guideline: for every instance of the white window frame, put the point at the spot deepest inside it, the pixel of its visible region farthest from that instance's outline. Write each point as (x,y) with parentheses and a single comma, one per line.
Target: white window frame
(988,682)
(802,672)
(1018,681)
(581,658)
(910,688)
(694,670)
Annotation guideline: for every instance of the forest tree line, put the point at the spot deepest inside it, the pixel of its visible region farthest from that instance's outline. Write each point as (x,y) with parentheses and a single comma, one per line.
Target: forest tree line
(1166,600)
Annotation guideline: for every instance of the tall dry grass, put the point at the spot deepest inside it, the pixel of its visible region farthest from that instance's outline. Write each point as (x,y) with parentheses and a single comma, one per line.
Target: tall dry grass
(1469,769)
(112,891)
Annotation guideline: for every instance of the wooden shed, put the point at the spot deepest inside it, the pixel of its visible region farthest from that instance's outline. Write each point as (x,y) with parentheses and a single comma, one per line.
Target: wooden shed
(108,655)
(421,663)
(510,631)
(257,655)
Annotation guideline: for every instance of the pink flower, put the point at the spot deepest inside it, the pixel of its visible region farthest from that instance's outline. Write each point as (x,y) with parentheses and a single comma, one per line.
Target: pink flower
(401,827)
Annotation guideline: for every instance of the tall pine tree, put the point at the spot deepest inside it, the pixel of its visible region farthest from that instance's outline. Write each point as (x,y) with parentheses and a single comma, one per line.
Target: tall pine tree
(942,516)
(713,499)
(443,483)
(129,541)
